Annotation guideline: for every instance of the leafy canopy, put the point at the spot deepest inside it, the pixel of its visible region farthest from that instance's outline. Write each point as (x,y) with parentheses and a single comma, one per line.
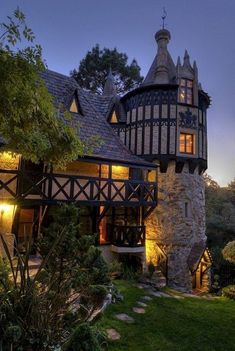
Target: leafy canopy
(93,70)
(29,123)
(229,252)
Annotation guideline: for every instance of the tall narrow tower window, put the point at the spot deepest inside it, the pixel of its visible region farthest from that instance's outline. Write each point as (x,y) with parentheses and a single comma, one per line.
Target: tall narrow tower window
(186,143)
(186,91)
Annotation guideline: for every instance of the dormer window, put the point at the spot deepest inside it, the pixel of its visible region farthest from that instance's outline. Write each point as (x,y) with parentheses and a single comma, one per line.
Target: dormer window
(74,106)
(186,91)
(113,118)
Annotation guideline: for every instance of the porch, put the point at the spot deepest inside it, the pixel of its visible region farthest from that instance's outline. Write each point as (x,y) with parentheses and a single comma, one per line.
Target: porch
(18,186)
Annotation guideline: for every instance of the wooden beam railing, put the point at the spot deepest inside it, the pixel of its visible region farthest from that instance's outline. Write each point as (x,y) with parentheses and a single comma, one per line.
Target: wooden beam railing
(51,188)
(126,236)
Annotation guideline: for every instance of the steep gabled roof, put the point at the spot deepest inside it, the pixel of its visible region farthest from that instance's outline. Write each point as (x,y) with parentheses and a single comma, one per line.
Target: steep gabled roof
(196,255)
(92,122)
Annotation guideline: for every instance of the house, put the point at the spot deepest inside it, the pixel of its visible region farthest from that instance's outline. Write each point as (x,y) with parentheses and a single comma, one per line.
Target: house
(142,188)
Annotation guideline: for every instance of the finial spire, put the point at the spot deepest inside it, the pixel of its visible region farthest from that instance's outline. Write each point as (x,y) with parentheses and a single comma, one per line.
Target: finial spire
(164,14)
(109,87)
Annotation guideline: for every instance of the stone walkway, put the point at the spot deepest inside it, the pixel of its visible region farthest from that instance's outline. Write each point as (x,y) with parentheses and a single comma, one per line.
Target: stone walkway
(143,303)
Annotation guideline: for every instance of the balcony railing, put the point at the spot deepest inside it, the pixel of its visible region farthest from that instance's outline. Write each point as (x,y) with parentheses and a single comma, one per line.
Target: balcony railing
(52,188)
(127,236)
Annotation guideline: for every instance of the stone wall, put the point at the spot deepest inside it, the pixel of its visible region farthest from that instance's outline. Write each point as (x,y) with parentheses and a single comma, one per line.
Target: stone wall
(177,223)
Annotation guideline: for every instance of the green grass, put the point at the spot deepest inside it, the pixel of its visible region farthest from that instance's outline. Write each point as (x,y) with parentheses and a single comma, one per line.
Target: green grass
(171,324)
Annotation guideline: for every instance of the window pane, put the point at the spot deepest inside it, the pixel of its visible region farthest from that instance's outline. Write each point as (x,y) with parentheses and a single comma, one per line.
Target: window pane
(189,83)
(189,143)
(189,100)
(182,142)
(182,94)
(182,82)
(186,143)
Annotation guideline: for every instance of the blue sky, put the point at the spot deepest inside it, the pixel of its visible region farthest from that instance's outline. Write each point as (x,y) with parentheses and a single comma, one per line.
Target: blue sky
(67,29)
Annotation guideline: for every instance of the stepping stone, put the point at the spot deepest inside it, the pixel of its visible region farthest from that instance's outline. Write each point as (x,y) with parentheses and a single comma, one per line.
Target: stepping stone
(191,295)
(139,286)
(139,310)
(125,318)
(158,294)
(147,298)
(142,304)
(112,334)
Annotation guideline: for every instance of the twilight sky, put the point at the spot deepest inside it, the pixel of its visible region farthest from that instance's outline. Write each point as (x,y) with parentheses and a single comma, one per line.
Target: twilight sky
(67,29)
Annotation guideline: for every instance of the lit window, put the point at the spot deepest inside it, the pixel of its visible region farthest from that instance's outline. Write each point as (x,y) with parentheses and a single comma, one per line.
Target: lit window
(186,91)
(73,107)
(187,143)
(114,118)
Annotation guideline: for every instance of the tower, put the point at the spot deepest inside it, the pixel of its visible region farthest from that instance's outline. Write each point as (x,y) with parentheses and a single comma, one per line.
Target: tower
(166,124)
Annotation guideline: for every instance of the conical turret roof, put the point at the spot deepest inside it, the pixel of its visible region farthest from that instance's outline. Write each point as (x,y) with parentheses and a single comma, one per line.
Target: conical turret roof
(162,70)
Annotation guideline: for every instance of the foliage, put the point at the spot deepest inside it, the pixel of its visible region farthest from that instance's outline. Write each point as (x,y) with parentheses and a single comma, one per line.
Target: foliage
(229,252)
(216,283)
(220,213)
(220,223)
(85,338)
(31,311)
(229,291)
(40,312)
(76,257)
(115,269)
(93,70)
(151,269)
(30,125)
(171,324)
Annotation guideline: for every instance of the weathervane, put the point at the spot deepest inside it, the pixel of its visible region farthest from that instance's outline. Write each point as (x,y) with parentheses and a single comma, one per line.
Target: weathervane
(164,17)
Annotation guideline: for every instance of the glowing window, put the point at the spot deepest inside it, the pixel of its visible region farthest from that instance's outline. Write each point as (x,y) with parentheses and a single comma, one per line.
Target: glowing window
(186,143)
(114,118)
(186,91)
(73,106)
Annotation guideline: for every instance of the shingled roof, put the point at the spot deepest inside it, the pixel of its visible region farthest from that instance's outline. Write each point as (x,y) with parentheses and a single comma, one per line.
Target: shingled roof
(196,254)
(92,121)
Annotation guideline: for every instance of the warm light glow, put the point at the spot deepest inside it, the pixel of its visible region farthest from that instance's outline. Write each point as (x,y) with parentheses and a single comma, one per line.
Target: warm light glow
(114,118)
(7,213)
(9,160)
(120,172)
(187,143)
(6,209)
(73,107)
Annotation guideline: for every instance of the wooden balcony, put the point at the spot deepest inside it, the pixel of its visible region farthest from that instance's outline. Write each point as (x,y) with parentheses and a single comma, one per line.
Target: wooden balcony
(50,188)
(127,239)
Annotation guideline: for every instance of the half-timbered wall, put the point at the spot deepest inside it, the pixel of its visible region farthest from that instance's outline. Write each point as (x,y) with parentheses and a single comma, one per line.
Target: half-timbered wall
(154,122)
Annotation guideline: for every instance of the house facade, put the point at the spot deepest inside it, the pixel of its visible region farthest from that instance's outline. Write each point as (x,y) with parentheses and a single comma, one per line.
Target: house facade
(142,188)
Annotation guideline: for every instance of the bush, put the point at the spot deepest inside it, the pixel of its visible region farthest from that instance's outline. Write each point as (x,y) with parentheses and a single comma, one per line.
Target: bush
(229,252)
(40,312)
(84,338)
(151,269)
(229,291)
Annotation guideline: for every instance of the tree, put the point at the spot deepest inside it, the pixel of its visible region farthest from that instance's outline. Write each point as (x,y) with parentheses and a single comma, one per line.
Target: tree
(229,252)
(93,70)
(29,123)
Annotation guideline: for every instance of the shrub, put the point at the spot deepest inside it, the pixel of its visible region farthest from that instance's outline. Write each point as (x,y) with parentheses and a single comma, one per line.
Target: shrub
(115,269)
(151,269)
(229,291)
(229,252)
(84,338)
(40,312)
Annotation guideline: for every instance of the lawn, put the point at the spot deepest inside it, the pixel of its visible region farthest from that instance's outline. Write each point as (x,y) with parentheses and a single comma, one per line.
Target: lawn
(171,324)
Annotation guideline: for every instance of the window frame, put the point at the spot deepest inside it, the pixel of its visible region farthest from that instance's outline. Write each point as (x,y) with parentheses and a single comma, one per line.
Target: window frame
(187,86)
(192,146)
